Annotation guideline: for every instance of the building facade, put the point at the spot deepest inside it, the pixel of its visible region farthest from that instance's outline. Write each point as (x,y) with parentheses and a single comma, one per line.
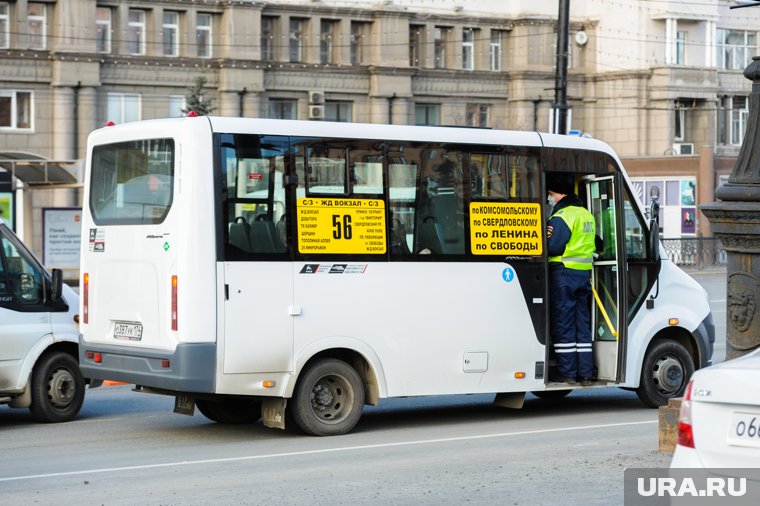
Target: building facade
(661,81)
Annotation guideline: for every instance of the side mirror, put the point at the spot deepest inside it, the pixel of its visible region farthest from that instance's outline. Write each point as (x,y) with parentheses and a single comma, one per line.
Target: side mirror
(56,287)
(654,224)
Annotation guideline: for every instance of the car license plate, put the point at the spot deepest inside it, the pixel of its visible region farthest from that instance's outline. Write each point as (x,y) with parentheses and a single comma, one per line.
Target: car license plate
(744,429)
(128,330)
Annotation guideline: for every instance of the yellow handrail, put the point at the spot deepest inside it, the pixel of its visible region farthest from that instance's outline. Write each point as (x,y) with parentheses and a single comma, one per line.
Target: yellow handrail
(604,313)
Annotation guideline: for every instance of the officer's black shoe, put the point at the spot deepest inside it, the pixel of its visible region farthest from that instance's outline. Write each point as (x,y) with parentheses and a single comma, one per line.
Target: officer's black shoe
(585,382)
(565,379)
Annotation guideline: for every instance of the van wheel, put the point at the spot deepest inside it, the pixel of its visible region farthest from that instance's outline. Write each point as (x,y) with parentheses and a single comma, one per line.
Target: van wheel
(328,400)
(57,388)
(551,395)
(230,411)
(666,371)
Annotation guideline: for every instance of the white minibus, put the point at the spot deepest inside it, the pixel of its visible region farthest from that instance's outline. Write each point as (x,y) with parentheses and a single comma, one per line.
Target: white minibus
(262,268)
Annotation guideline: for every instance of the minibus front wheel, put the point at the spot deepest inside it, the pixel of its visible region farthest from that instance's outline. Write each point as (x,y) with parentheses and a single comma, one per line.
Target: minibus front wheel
(665,372)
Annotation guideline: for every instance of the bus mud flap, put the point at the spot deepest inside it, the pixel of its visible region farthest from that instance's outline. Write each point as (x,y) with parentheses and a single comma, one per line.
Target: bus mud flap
(510,400)
(273,412)
(184,405)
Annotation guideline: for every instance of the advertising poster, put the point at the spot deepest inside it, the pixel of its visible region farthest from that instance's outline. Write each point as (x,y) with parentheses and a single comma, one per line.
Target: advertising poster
(688,192)
(688,220)
(6,208)
(61,233)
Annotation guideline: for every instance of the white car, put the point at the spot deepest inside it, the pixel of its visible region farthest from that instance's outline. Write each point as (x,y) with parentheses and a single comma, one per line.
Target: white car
(719,424)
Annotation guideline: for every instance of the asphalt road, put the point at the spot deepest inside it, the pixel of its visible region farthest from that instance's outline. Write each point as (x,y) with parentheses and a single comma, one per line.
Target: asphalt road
(129,448)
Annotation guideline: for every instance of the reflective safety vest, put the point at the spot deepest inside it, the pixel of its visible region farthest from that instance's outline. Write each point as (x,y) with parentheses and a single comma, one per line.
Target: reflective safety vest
(579,250)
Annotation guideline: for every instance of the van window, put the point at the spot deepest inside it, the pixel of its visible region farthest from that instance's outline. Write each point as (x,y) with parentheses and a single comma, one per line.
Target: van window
(131,182)
(19,277)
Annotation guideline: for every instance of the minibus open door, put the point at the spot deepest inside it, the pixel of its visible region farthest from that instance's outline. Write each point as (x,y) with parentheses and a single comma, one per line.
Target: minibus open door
(607,321)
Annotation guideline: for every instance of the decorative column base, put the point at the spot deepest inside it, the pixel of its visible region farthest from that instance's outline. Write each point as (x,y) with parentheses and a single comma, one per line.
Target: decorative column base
(737,225)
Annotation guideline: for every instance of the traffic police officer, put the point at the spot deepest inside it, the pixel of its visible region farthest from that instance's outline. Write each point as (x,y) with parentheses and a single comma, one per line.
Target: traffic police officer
(571,233)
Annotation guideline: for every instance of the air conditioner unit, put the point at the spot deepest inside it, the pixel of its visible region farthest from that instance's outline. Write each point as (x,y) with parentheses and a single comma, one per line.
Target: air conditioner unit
(316,97)
(316,112)
(683,148)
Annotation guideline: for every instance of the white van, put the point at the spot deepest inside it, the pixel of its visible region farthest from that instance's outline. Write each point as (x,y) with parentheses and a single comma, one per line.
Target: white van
(39,331)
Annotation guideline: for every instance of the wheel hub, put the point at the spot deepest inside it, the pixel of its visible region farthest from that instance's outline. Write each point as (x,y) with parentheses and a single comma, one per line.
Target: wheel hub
(668,374)
(331,398)
(61,388)
(322,397)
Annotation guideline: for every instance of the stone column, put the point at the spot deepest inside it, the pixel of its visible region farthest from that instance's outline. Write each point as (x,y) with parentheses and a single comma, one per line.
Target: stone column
(63,119)
(735,220)
(88,118)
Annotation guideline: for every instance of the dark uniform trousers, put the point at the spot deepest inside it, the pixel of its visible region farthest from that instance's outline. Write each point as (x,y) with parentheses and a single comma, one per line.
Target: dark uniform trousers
(570,323)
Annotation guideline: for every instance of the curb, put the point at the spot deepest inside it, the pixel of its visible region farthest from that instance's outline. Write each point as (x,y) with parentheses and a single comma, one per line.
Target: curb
(668,425)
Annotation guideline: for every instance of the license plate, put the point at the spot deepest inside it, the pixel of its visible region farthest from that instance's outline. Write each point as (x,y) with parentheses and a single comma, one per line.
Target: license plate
(128,330)
(744,429)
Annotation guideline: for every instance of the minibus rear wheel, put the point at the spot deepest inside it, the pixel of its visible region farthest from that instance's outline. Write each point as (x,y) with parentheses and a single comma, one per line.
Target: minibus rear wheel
(328,399)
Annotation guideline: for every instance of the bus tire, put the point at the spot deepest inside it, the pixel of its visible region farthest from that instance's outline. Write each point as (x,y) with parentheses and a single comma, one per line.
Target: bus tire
(230,411)
(665,373)
(551,395)
(328,399)
(57,388)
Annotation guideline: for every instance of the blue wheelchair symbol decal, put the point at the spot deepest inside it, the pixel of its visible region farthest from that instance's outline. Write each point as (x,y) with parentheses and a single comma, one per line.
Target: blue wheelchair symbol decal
(508,274)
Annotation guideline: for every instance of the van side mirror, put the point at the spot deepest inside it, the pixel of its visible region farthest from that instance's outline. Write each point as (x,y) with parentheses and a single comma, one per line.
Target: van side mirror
(654,224)
(56,287)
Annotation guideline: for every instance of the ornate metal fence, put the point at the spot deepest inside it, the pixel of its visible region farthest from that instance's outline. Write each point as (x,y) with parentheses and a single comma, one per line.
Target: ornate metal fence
(696,253)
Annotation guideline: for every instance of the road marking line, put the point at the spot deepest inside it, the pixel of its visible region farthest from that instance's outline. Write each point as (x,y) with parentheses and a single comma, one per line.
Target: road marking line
(314,452)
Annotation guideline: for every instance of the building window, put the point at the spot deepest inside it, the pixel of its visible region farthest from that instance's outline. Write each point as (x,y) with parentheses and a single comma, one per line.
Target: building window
(15,110)
(739,116)
(359,39)
(283,109)
(439,47)
(203,35)
(495,50)
(296,38)
(35,19)
(427,114)
(171,33)
(680,48)
(123,107)
(415,45)
(267,38)
(339,111)
(735,48)
(103,30)
(477,115)
(4,25)
(468,49)
(136,32)
(176,106)
(327,40)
